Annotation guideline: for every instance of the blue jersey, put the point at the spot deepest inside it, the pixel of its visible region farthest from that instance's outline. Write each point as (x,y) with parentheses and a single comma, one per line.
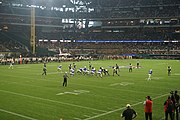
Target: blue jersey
(85,69)
(150,71)
(59,67)
(93,70)
(100,70)
(72,71)
(81,69)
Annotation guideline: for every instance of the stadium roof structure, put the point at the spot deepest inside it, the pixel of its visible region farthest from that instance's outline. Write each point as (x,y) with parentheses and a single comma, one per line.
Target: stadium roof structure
(87,6)
(94,16)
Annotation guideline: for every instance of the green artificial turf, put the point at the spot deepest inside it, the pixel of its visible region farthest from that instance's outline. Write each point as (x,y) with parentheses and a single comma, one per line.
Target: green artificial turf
(25,94)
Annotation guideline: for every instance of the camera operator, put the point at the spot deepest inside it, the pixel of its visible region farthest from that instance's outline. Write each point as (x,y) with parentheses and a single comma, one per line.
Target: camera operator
(176,96)
(175,100)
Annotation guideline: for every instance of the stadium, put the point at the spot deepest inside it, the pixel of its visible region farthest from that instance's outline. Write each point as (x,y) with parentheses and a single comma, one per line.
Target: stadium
(112,52)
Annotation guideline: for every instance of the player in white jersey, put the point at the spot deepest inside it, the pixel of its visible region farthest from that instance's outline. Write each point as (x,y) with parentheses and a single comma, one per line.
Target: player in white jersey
(150,74)
(85,70)
(93,71)
(72,72)
(11,64)
(99,72)
(59,67)
(80,70)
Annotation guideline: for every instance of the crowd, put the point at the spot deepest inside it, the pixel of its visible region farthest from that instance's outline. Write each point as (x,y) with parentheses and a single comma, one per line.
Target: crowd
(11,46)
(108,48)
(116,9)
(135,20)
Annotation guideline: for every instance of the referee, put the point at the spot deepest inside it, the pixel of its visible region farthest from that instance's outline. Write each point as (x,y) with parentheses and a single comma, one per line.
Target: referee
(65,76)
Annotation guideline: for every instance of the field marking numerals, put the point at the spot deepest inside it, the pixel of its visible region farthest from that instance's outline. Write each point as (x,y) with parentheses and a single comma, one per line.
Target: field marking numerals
(122,83)
(75,92)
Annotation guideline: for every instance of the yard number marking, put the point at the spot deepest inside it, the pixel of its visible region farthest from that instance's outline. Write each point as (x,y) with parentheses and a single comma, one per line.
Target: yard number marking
(75,92)
(122,83)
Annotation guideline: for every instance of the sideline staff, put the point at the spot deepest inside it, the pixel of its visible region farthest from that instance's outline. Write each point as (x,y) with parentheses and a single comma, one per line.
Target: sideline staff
(129,113)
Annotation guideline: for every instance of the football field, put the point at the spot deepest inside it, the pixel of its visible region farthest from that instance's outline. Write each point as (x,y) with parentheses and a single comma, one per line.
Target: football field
(26,94)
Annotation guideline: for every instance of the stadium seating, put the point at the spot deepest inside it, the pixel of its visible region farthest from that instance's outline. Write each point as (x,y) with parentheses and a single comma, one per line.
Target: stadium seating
(119,20)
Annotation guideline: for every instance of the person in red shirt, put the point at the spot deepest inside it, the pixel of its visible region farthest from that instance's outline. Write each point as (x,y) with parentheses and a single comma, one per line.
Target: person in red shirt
(148,108)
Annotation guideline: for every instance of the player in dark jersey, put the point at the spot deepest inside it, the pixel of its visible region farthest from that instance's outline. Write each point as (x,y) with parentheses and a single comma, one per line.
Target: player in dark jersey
(106,72)
(117,67)
(44,64)
(169,70)
(130,67)
(115,71)
(74,66)
(70,66)
(137,64)
(44,71)
(90,65)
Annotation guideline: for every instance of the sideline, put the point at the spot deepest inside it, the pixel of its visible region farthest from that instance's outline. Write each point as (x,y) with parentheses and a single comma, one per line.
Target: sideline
(109,112)
(16,114)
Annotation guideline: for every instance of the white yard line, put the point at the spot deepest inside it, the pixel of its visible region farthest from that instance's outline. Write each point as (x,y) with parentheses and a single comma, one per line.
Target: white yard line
(77,119)
(16,114)
(110,88)
(49,100)
(163,118)
(86,116)
(49,73)
(109,112)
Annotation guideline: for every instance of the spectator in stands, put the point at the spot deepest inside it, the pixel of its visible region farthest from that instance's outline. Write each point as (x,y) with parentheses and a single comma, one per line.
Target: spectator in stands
(148,108)
(129,113)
